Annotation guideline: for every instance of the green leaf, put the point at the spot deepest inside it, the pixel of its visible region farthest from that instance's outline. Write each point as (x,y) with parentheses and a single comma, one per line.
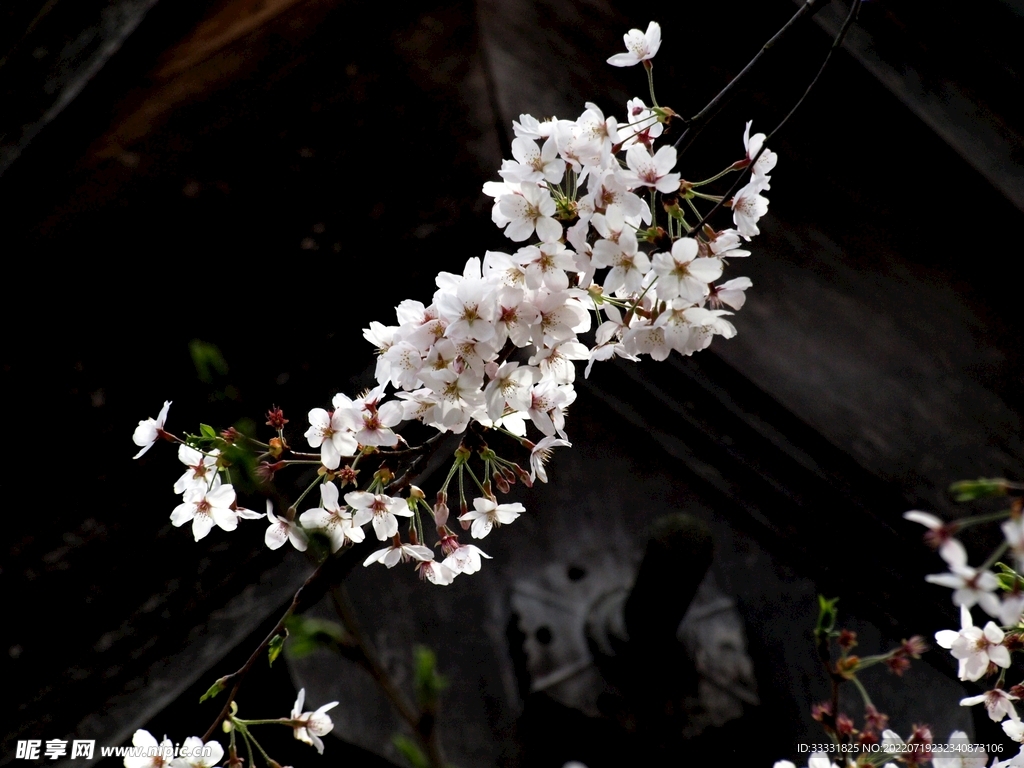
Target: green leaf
(428,681)
(411,751)
(827,614)
(307,634)
(275,647)
(207,431)
(207,359)
(969,490)
(213,690)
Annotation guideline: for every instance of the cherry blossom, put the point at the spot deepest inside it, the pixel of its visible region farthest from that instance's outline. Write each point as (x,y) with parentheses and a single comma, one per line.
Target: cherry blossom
(308,727)
(652,171)
(640,46)
(160,753)
(998,703)
(204,508)
(391,556)
(381,509)
(335,520)
(150,430)
(202,468)
(487,514)
(333,432)
(957,755)
(540,454)
(974,647)
(282,529)
(200,755)
(462,558)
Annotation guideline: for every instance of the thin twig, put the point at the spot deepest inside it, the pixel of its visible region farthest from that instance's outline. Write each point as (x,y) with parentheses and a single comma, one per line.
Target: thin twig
(838,41)
(699,121)
(305,594)
(422,724)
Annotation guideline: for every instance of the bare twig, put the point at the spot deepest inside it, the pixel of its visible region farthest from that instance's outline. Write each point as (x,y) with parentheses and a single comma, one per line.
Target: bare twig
(838,41)
(699,121)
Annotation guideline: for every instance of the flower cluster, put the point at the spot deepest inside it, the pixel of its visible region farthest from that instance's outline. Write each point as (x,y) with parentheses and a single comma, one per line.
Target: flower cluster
(981,651)
(984,651)
(609,238)
(307,727)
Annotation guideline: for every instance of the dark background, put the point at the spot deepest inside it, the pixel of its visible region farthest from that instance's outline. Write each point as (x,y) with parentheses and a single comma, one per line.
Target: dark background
(268,177)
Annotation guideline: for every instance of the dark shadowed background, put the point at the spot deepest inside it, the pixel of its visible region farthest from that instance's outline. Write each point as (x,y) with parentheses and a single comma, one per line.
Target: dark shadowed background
(267,176)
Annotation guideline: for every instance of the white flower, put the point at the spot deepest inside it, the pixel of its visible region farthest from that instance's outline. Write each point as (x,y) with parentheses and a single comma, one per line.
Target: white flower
(970,586)
(160,754)
(201,468)
(731,292)
(939,536)
(383,510)
(640,46)
(998,703)
(282,529)
(488,514)
(204,508)
(652,171)
(333,434)
(465,558)
(540,454)
(531,209)
(1014,729)
(195,754)
(435,572)
(974,647)
(766,162)
(149,431)
(816,760)
(682,275)
(748,207)
(956,754)
(310,726)
(335,520)
(391,555)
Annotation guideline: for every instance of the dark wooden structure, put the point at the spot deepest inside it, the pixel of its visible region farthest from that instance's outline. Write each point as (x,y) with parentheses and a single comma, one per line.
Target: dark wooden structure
(239,172)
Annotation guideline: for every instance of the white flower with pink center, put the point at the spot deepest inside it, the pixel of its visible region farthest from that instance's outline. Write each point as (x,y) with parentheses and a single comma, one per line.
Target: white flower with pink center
(204,508)
(640,46)
(974,647)
(383,510)
(333,432)
(487,514)
(308,727)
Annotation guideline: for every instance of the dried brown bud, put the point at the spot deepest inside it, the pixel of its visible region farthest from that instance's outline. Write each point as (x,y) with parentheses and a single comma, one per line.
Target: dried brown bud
(844,725)
(874,720)
(275,418)
(348,476)
(276,448)
(265,471)
(898,664)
